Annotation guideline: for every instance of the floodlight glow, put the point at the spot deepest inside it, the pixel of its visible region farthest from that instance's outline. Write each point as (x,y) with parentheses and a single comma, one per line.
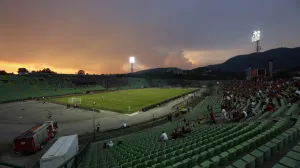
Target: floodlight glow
(131,59)
(256,36)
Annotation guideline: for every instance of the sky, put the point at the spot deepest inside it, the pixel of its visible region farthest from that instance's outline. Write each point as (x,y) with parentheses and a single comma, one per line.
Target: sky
(98,36)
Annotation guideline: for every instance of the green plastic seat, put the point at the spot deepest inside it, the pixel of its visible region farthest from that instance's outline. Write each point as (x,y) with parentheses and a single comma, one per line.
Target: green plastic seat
(239,150)
(259,157)
(293,155)
(185,163)
(240,164)
(284,139)
(210,152)
(223,158)
(286,161)
(193,161)
(149,163)
(168,162)
(215,161)
(296,148)
(176,165)
(280,166)
(273,147)
(206,164)
(158,165)
(278,142)
(202,157)
(250,161)
(232,153)
(266,150)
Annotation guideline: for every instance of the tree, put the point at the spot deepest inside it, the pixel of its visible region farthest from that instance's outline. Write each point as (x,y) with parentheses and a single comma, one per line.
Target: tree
(81,72)
(2,72)
(46,71)
(23,71)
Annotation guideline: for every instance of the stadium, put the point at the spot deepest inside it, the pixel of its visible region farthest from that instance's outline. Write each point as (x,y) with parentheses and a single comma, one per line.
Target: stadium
(149,84)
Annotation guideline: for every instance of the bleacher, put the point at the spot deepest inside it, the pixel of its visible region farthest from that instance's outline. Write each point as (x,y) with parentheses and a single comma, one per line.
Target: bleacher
(258,141)
(16,87)
(245,144)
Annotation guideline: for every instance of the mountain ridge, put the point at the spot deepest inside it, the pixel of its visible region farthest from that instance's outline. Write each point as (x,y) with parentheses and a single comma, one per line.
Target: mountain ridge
(283,59)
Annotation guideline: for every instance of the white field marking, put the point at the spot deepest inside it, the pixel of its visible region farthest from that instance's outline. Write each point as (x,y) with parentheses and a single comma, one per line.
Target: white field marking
(133,114)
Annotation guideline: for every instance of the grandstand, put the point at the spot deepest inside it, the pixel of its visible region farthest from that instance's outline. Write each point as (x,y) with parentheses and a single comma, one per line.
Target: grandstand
(15,88)
(262,137)
(265,140)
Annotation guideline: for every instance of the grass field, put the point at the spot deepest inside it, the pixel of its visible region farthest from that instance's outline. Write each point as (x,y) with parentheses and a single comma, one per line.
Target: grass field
(120,101)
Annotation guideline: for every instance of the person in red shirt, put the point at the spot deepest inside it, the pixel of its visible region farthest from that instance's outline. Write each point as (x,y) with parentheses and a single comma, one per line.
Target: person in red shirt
(212,118)
(269,108)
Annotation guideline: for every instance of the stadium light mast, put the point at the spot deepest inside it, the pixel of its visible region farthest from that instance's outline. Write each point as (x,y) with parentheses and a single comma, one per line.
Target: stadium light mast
(131,61)
(256,39)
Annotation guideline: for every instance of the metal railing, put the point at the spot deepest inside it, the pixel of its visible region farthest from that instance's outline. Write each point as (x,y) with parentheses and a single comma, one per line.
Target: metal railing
(10,165)
(76,159)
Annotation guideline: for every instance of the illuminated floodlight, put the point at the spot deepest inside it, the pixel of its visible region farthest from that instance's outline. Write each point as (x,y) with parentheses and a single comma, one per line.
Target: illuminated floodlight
(131,59)
(256,36)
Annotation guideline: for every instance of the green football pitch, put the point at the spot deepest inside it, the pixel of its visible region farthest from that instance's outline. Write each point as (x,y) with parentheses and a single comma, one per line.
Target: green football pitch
(125,101)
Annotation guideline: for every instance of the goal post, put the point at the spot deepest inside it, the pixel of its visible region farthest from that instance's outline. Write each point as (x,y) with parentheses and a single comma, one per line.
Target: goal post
(74,100)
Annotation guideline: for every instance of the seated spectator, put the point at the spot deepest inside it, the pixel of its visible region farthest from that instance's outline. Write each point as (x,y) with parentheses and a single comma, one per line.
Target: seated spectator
(175,134)
(297,92)
(269,108)
(105,145)
(110,144)
(119,142)
(188,129)
(183,129)
(164,136)
(244,114)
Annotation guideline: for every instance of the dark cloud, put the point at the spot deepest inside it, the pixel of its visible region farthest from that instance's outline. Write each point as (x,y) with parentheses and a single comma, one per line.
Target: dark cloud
(100,35)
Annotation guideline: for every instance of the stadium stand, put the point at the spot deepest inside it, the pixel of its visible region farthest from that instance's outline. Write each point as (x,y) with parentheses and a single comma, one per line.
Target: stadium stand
(250,142)
(18,87)
(261,122)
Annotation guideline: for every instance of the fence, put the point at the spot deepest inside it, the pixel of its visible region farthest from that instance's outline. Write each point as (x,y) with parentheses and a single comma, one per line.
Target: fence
(10,165)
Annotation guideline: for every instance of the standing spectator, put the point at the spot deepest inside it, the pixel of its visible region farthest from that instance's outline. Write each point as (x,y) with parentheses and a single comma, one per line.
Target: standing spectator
(124,125)
(153,117)
(49,114)
(98,127)
(212,118)
(224,114)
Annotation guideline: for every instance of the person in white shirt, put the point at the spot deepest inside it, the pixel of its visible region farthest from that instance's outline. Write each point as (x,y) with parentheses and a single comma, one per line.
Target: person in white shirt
(110,144)
(253,112)
(124,125)
(267,100)
(253,103)
(297,92)
(245,114)
(164,136)
(224,114)
(228,98)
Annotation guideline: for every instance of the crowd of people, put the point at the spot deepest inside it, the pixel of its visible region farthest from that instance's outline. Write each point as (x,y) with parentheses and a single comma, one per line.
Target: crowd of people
(256,90)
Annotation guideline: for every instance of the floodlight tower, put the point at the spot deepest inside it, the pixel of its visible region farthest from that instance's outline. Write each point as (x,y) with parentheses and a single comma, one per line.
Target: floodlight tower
(131,61)
(256,39)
